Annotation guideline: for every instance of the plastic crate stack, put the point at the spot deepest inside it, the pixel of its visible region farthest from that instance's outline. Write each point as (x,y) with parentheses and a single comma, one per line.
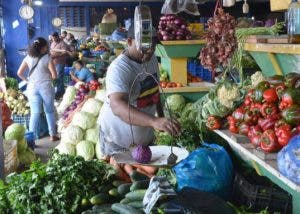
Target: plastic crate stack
(24,120)
(259,196)
(196,69)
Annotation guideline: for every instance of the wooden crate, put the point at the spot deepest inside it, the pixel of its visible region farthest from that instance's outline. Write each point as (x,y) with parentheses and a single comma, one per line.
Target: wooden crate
(10,156)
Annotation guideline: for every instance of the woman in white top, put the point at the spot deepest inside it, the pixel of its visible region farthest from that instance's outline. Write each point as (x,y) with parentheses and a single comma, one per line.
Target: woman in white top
(40,88)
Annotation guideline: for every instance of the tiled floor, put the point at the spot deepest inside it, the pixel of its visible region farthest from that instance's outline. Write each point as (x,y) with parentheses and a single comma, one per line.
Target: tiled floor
(42,147)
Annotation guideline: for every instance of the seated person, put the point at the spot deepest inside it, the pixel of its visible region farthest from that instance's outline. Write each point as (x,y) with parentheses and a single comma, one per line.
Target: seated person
(81,73)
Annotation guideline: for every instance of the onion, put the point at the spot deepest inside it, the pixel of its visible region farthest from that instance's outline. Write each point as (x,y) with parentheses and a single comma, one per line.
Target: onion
(163,18)
(179,33)
(178,21)
(166,38)
(163,33)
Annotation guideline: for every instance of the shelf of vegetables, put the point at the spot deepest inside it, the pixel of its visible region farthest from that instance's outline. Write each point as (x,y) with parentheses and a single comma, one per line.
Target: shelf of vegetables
(275,58)
(266,168)
(263,123)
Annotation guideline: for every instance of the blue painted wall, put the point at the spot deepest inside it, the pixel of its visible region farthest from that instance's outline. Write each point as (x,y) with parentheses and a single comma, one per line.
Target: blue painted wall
(17,38)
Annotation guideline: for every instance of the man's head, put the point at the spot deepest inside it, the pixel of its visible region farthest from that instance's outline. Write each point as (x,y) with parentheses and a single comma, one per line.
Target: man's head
(55,37)
(63,34)
(134,49)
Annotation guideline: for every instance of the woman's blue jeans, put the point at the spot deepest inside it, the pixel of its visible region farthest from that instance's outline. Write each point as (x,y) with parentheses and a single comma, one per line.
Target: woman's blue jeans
(41,99)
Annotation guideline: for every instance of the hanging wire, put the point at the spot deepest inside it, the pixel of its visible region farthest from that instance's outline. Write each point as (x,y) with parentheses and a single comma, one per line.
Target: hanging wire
(145,72)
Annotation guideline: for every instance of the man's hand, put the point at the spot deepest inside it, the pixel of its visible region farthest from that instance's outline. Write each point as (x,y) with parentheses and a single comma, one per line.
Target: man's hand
(168,125)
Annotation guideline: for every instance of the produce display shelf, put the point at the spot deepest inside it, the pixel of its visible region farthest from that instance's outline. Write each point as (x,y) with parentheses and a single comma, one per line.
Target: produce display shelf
(266,168)
(190,93)
(174,57)
(275,58)
(204,86)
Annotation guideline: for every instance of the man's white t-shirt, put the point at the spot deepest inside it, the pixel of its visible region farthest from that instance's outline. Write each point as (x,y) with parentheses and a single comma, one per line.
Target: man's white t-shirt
(115,134)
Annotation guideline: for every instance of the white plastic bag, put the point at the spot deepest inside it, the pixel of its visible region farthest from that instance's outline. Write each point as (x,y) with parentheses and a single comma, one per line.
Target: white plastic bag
(177,6)
(109,17)
(228,3)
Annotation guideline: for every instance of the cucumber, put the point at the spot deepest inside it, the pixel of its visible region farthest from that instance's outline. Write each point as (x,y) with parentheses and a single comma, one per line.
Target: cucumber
(102,208)
(136,195)
(136,204)
(125,209)
(123,189)
(118,183)
(105,188)
(140,185)
(114,192)
(99,199)
(136,176)
(125,201)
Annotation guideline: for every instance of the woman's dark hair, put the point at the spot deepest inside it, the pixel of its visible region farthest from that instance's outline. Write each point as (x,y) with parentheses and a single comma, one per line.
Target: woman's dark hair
(36,47)
(79,62)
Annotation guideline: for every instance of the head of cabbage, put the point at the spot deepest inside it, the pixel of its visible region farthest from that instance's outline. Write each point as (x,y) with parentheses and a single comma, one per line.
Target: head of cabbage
(22,146)
(84,120)
(15,132)
(66,148)
(92,106)
(67,99)
(27,157)
(175,103)
(85,149)
(100,95)
(72,135)
(92,135)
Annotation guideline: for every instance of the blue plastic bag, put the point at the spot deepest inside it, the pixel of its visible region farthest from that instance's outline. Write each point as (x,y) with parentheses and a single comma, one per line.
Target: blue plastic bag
(208,168)
(288,160)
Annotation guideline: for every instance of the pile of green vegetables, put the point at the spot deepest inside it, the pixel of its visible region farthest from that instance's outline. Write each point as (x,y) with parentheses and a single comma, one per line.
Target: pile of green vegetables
(56,187)
(11,83)
(176,107)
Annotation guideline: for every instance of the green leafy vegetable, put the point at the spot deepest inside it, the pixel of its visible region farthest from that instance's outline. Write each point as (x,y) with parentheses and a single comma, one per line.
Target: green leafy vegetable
(56,187)
(11,83)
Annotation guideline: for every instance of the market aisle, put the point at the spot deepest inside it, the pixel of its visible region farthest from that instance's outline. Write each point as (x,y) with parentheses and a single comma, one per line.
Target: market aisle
(42,147)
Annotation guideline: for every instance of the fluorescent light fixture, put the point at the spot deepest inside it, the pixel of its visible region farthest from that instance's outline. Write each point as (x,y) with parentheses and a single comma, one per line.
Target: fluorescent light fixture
(38,2)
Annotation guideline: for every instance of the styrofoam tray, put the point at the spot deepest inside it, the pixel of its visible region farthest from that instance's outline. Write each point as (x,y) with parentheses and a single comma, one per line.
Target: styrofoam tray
(160,156)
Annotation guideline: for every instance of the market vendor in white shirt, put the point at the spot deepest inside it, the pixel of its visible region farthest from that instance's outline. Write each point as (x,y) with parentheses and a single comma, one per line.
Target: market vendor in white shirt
(115,131)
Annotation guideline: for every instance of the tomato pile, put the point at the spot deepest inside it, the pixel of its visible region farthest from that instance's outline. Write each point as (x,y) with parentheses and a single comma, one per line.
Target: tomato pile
(269,115)
(165,84)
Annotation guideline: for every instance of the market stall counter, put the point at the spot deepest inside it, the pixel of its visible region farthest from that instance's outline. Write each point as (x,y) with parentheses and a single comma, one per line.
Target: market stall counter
(241,146)
(281,58)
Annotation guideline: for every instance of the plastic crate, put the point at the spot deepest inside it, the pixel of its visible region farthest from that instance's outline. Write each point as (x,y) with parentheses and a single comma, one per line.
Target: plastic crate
(198,70)
(24,120)
(259,197)
(96,53)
